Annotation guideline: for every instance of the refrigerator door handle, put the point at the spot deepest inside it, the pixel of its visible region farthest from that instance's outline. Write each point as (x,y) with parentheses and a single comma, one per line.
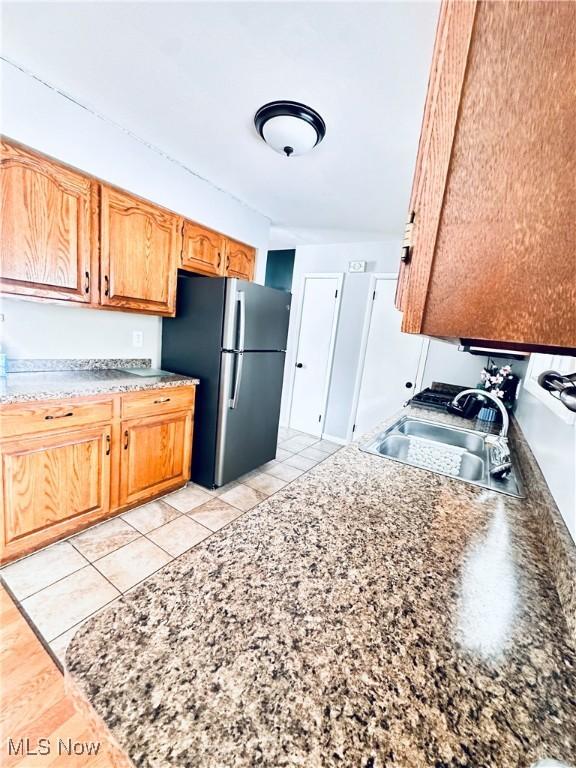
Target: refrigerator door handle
(237,380)
(241,298)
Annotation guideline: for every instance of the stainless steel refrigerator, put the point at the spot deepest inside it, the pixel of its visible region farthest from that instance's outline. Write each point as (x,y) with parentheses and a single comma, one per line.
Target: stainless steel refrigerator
(231,334)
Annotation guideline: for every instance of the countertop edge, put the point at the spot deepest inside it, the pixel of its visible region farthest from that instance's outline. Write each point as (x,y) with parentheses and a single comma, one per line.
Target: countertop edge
(97,389)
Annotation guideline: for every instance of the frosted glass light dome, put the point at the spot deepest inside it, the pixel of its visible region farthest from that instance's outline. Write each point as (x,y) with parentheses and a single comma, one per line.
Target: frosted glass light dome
(289,135)
(289,127)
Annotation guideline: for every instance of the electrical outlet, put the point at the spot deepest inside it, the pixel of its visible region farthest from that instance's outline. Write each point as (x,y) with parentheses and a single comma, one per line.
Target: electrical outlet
(137,338)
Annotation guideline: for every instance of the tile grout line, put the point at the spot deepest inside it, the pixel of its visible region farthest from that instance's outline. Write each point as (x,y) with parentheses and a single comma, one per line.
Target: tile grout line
(145,536)
(82,621)
(173,558)
(77,570)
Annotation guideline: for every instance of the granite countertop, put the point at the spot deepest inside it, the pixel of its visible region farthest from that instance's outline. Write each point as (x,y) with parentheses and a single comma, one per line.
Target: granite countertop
(370,614)
(48,385)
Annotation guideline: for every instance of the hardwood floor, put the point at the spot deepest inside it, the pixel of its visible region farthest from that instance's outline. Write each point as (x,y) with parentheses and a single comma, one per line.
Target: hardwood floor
(35,707)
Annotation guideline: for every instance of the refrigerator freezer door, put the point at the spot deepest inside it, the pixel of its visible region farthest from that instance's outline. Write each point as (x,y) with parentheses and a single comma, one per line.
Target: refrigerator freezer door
(256,317)
(249,410)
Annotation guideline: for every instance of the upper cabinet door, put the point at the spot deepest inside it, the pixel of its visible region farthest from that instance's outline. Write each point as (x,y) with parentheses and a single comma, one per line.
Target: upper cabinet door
(240,260)
(202,250)
(493,238)
(45,228)
(140,245)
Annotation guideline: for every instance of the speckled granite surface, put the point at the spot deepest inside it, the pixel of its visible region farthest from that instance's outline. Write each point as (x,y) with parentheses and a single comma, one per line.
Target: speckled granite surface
(370,614)
(558,542)
(49,385)
(73,364)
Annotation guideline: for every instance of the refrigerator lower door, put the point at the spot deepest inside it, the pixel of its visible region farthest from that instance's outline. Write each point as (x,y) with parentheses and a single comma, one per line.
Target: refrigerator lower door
(249,411)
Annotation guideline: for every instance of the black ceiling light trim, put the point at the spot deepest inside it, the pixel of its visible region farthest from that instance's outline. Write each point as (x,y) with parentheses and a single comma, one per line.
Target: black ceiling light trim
(290,109)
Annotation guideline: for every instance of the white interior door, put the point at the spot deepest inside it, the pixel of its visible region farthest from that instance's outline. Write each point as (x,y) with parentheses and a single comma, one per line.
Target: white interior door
(391,362)
(318,321)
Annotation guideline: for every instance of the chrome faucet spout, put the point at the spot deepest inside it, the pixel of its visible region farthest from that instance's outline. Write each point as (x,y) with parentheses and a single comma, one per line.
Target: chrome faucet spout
(496,400)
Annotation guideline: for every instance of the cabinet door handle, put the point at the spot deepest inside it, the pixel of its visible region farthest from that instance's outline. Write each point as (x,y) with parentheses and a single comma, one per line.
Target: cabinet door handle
(126,440)
(87,284)
(61,416)
(107,445)
(162,400)
(219,259)
(106,286)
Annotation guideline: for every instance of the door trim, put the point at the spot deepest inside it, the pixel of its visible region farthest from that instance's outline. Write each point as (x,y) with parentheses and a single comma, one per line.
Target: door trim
(339,276)
(364,346)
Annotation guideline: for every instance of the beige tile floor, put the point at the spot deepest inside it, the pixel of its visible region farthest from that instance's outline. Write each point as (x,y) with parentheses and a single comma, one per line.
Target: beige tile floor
(63,585)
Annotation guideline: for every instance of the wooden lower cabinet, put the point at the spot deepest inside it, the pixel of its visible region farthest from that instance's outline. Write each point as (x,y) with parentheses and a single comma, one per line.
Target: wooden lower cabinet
(155,455)
(53,484)
(56,480)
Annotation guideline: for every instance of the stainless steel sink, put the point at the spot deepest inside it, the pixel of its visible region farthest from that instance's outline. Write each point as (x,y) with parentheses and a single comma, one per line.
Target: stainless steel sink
(463,454)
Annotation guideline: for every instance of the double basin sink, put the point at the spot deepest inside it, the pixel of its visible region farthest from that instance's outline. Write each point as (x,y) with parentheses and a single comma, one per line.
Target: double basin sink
(464,454)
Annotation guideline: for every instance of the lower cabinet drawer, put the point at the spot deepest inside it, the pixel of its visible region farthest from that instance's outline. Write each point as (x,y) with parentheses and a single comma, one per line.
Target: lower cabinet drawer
(46,416)
(51,484)
(157,401)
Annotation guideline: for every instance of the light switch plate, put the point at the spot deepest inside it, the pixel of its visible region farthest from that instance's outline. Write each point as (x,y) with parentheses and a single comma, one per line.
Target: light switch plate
(137,338)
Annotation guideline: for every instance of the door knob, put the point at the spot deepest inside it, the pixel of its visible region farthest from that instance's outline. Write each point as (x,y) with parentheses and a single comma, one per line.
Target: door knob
(299,365)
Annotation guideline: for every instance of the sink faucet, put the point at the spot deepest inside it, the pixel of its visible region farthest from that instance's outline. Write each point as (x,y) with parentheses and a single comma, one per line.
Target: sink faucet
(501,461)
(495,400)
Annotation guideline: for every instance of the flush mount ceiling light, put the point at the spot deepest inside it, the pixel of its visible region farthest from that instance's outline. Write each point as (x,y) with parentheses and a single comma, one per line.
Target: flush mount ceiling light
(289,127)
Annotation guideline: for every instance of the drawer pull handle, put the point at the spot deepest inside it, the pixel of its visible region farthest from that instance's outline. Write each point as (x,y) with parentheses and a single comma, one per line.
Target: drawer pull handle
(62,416)
(107,445)
(126,440)
(162,400)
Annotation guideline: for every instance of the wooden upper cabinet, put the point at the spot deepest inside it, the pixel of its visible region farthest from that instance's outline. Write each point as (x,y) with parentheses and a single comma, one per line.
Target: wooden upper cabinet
(494,241)
(202,250)
(140,246)
(46,227)
(240,260)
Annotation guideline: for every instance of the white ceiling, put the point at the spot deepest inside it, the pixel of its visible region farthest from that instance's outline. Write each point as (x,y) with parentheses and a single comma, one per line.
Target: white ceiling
(188,77)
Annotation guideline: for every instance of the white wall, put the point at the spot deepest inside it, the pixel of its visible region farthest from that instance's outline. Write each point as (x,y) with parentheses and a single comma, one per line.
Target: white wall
(553,442)
(40,117)
(444,361)
(381,257)
(35,330)
(447,364)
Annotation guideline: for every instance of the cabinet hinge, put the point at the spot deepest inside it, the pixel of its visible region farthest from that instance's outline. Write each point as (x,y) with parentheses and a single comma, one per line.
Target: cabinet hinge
(407,241)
